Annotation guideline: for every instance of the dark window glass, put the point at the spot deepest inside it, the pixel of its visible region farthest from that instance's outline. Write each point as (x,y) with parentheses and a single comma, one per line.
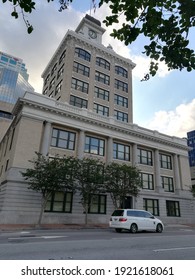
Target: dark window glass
(63,139)
(102,110)
(94,146)
(60,202)
(121,116)
(83,54)
(102,93)
(167,184)
(151,205)
(165,161)
(144,157)
(147,181)
(121,101)
(80,68)
(80,85)
(173,208)
(121,71)
(97,204)
(121,152)
(78,102)
(121,85)
(103,78)
(102,63)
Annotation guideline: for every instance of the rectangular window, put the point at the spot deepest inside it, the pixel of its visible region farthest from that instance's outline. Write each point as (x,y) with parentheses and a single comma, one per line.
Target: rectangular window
(60,71)
(121,85)
(121,116)
(103,78)
(62,56)
(12,137)
(167,184)
(94,146)
(52,83)
(165,161)
(80,68)
(151,205)
(144,157)
(78,102)
(58,87)
(63,139)
(101,110)
(121,101)
(147,181)
(60,202)
(102,93)
(121,152)
(47,79)
(173,208)
(97,204)
(79,85)
(53,69)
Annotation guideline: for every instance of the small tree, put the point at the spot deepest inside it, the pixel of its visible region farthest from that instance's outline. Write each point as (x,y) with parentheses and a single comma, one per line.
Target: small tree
(122,180)
(50,175)
(90,176)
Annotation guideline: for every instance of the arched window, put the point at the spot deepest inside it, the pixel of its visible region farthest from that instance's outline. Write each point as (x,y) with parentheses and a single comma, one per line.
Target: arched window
(83,54)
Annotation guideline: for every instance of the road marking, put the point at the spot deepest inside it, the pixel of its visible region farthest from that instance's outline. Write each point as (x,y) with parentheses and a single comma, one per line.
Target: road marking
(36,237)
(50,237)
(174,249)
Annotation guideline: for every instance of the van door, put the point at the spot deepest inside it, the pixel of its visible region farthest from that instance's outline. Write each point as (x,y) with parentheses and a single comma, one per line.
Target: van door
(149,221)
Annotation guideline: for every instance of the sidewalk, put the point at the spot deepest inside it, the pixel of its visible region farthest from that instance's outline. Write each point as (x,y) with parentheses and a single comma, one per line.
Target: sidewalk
(14,227)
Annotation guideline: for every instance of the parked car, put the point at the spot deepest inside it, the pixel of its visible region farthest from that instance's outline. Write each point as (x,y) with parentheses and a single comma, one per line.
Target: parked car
(135,220)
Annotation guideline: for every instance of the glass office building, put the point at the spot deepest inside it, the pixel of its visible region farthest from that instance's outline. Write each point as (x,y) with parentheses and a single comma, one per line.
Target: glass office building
(191,144)
(13,84)
(13,80)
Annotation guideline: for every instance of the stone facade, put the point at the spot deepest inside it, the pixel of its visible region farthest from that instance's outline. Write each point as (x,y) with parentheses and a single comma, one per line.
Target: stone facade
(36,118)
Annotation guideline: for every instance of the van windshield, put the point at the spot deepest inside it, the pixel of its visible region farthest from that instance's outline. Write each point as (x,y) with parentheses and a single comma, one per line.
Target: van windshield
(118,213)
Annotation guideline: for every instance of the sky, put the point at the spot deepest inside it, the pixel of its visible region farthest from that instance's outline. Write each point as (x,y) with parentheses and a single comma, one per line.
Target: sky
(165,103)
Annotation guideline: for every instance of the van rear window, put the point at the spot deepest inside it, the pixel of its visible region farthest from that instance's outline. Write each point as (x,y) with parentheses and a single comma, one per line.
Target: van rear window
(118,213)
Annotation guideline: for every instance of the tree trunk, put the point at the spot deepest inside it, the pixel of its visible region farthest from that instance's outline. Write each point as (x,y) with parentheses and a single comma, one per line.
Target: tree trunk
(43,203)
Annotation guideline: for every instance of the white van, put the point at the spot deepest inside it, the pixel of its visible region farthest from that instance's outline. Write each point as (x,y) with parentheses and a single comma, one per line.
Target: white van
(135,220)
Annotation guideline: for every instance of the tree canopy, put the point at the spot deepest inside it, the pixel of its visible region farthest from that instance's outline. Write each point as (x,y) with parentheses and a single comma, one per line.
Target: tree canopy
(122,180)
(166,24)
(50,175)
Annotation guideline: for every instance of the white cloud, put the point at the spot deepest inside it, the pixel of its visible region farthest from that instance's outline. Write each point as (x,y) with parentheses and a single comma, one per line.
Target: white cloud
(50,27)
(176,122)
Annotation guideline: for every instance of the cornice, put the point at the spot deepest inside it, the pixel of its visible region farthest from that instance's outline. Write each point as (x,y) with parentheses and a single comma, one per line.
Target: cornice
(89,44)
(46,104)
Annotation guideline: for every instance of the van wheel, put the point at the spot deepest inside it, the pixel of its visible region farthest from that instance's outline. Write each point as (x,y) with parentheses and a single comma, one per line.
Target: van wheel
(159,228)
(133,228)
(118,230)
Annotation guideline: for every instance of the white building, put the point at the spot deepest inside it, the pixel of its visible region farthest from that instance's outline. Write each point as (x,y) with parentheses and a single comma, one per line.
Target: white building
(86,110)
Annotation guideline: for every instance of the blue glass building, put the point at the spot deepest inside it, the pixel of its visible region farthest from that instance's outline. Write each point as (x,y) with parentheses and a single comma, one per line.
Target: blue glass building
(13,79)
(13,84)
(191,144)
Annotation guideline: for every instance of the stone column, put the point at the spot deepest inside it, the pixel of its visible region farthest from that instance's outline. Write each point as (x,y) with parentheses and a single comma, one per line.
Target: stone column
(46,138)
(157,170)
(134,154)
(81,144)
(176,172)
(110,150)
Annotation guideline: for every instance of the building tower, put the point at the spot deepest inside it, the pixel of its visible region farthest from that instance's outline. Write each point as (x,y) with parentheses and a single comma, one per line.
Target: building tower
(13,84)
(86,74)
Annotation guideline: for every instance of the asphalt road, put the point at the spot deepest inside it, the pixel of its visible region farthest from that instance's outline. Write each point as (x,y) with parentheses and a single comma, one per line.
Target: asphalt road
(97,244)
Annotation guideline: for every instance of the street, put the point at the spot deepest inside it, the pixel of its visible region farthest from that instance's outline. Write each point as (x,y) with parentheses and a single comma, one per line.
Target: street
(177,243)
